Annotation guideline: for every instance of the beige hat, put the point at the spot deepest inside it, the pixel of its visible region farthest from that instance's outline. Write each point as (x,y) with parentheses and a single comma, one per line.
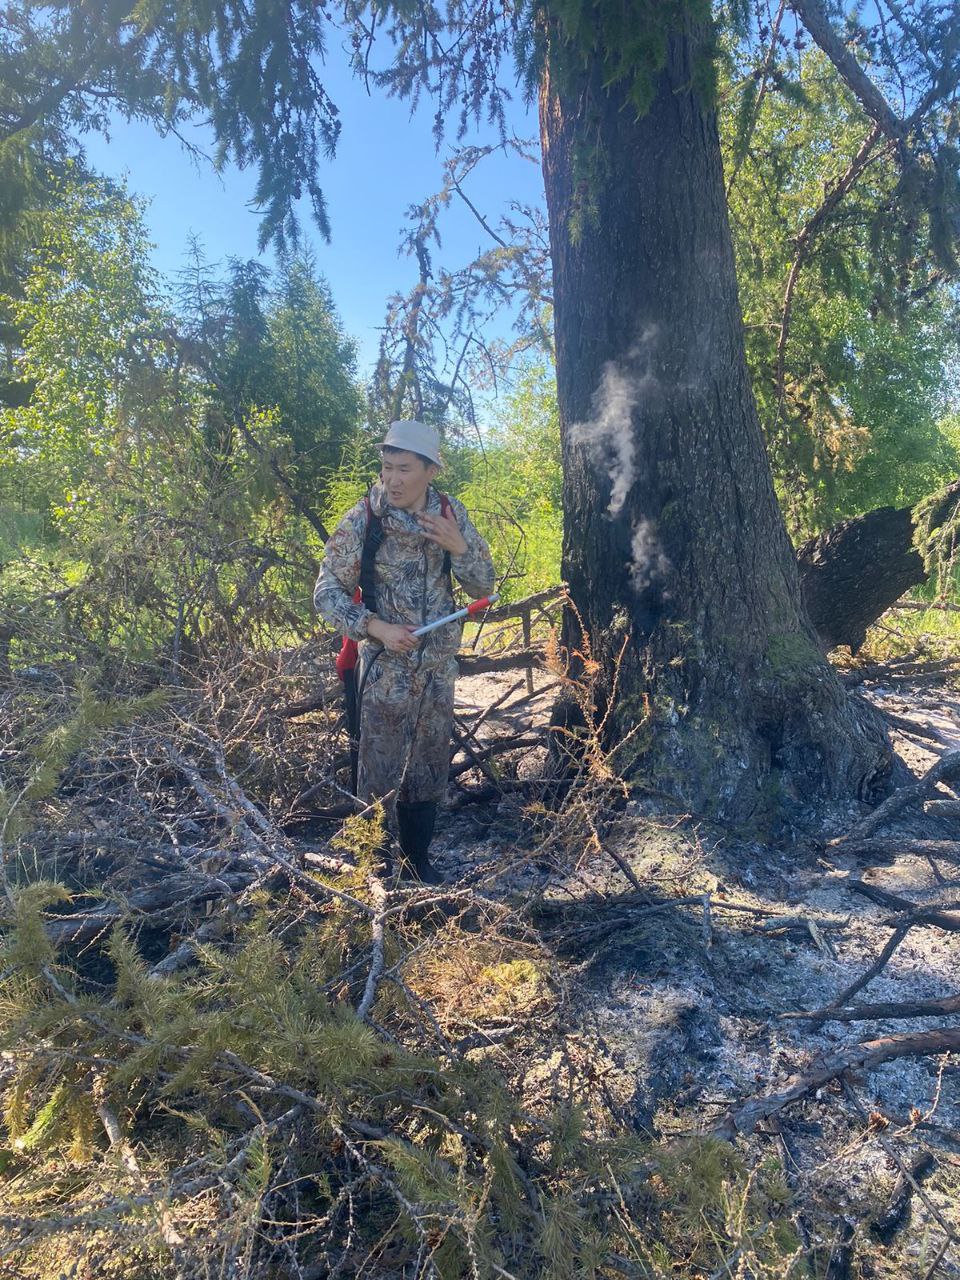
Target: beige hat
(416,437)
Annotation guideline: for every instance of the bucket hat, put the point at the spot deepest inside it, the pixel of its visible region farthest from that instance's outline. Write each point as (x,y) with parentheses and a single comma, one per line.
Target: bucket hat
(416,437)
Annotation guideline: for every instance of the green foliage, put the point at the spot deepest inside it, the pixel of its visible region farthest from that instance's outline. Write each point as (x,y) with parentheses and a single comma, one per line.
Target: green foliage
(853,398)
(514,493)
(936,530)
(630,42)
(63,74)
(139,482)
(277,345)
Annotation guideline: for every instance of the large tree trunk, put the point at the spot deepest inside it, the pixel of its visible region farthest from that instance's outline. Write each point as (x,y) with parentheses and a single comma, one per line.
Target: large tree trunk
(673,540)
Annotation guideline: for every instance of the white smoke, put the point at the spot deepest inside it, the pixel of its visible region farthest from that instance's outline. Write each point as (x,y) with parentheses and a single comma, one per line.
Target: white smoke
(649,562)
(609,434)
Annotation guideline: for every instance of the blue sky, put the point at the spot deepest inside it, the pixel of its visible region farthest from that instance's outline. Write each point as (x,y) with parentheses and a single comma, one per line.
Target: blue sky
(385,162)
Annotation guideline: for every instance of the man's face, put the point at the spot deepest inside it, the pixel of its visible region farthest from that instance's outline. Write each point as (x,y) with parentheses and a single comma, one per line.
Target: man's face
(406,479)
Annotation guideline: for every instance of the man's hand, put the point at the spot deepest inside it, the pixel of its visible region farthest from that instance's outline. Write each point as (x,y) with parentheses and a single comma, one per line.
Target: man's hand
(443,530)
(394,636)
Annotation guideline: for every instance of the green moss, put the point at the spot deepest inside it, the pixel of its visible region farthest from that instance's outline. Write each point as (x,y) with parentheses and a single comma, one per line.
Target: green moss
(790,656)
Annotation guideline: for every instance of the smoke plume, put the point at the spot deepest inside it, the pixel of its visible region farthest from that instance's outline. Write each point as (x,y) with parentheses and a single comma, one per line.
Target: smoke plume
(649,563)
(609,434)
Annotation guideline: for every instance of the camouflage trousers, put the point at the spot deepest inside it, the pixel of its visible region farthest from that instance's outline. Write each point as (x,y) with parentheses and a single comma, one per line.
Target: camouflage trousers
(406,724)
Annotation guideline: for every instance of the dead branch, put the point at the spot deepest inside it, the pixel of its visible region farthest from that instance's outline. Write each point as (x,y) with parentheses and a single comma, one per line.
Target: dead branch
(886,848)
(942,808)
(908,1178)
(946,767)
(877,967)
(466,741)
(922,606)
(911,671)
(478,664)
(903,725)
(317,702)
(864,1056)
(882,1010)
(518,743)
(173,891)
(939,914)
(503,612)
(381,898)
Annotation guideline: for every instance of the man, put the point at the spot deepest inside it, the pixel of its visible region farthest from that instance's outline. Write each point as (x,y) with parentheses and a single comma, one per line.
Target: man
(405,683)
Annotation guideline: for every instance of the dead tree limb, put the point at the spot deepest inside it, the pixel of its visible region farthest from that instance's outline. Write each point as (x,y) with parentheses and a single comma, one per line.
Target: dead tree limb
(946,767)
(380,897)
(519,743)
(864,1056)
(903,725)
(179,891)
(886,1225)
(942,808)
(876,968)
(906,1173)
(479,664)
(883,1010)
(936,913)
(503,612)
(886,848)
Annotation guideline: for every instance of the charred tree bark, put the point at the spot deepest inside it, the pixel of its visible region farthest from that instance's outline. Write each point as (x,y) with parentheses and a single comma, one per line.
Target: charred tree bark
(674,547)
(854,572)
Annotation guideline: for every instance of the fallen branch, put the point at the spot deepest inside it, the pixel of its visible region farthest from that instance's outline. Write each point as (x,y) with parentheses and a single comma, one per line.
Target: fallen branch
(478,664)
(901,671)
(878,965)
(940,914)
(886,848)
(863,1056)
(883,1010)
(503,612)
(174,891)
(946,767)
(381,898)
(910,727)
(885,1226)
(905,1172)
(496,748)
(942,808)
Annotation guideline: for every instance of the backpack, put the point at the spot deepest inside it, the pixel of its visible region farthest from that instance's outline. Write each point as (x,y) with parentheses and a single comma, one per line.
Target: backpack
(366,592)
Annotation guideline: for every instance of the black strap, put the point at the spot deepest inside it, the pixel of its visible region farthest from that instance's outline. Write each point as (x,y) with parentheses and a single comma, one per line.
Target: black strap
(372,538)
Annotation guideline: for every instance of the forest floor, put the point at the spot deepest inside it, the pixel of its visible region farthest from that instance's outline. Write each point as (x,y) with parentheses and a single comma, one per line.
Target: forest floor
(607,988)
(687,1007)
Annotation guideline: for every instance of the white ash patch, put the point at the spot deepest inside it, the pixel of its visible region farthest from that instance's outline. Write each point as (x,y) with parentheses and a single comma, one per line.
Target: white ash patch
(699,1028)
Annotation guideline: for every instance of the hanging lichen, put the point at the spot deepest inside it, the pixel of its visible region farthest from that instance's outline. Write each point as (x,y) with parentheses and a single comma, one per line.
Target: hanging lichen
(936,535)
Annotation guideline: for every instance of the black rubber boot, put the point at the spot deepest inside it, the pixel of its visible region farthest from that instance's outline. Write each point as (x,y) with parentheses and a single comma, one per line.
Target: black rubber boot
(416,823)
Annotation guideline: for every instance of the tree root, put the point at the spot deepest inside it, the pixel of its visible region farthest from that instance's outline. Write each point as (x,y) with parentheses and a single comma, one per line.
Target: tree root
(948,766)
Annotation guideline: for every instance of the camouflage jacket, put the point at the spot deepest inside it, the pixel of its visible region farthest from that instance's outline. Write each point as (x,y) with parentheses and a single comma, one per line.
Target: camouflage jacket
(411,584)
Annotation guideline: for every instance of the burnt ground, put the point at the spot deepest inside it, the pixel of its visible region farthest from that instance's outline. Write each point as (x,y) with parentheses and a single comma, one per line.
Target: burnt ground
(686,1001)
